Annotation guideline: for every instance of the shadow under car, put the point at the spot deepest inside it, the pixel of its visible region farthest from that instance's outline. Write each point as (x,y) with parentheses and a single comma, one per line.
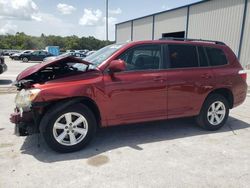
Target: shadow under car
(132,136)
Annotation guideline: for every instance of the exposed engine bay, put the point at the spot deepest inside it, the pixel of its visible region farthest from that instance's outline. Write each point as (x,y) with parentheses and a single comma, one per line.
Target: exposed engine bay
(59,69)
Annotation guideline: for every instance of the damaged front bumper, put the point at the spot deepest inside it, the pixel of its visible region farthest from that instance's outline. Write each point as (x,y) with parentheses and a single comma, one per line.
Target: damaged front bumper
(25,115)
(24,122)
(27,121)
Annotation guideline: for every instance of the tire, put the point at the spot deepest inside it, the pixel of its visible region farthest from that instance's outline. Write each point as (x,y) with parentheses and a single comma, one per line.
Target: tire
(25,59)
(53,134)
(210,118)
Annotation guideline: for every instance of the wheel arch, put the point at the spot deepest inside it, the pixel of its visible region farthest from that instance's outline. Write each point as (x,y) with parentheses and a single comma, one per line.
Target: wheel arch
(225,92)
(61,104)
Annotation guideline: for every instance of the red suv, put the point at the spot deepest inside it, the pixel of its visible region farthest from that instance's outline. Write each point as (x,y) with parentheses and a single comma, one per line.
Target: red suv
(67,98)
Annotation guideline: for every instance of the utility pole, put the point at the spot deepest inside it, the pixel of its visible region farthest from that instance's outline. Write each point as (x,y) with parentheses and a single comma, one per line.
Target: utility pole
(107,20)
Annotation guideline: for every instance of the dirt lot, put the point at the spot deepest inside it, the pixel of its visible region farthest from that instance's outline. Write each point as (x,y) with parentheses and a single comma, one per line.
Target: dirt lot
(173,153)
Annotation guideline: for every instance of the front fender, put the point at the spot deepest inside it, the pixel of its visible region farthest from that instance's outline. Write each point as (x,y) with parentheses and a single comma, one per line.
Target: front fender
(60,105)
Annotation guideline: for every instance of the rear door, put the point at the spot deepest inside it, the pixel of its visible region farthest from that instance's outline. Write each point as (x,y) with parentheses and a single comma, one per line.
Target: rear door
(139,93)
(190,79)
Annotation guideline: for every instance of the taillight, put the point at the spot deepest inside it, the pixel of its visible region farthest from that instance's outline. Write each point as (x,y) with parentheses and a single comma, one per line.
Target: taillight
(243,74)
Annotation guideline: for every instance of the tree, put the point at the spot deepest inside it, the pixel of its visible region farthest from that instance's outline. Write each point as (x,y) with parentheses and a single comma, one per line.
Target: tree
(21,41)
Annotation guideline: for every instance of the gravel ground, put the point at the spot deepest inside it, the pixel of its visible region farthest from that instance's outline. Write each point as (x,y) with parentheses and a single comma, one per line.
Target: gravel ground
(173,153)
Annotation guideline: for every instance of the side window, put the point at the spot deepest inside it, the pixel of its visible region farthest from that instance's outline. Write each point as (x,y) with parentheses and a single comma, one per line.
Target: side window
(35,53)
(42,53)
(216,56)
(142,57)
(202,57)
(182,56)
(124,56)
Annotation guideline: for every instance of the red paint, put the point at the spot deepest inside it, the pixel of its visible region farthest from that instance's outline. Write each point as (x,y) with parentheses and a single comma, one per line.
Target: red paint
(139,96)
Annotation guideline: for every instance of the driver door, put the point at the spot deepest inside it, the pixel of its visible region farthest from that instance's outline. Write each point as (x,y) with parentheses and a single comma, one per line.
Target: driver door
(34,56)
(139,93)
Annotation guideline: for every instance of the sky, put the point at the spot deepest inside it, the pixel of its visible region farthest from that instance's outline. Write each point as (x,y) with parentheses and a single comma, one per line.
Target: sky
(75,17)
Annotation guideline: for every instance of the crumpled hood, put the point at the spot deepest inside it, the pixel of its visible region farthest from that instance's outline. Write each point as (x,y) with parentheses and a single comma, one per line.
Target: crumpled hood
(33,69)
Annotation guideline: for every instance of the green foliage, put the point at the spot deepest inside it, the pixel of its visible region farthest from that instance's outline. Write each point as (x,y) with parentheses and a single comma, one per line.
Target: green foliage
(21,41)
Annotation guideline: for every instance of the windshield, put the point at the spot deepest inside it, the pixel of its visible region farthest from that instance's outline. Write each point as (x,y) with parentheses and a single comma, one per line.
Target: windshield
(77,66)
(103,54)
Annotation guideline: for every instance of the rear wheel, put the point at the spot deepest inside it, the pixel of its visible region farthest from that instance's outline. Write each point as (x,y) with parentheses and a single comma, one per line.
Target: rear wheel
(70,129)
(214,113)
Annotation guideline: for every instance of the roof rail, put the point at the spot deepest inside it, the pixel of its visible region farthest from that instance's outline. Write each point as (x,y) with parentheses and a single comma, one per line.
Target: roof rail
(188,39)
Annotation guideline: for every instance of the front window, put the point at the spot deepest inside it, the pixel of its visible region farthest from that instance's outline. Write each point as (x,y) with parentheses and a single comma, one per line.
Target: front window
(103,54)
(144,57)
(35,53)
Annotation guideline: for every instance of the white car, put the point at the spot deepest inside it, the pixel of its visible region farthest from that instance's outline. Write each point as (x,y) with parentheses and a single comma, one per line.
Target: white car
(17,55)
(90,52)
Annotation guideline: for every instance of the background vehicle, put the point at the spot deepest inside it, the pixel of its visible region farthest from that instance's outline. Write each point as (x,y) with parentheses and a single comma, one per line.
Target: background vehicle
(3,66)
(90,52)
(16,56)
(70,51)
(6,53)
(83,51)
(37,55)
(73,54)
(128,83)
(9,52)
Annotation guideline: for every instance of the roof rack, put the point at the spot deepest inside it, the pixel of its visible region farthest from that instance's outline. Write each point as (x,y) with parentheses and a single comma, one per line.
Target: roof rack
(188,39)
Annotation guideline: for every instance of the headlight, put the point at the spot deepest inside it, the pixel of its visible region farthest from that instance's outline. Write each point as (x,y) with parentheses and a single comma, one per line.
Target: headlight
(25,97)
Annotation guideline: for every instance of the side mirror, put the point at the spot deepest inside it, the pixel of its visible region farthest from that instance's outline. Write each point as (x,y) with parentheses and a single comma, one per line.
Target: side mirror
(117,66)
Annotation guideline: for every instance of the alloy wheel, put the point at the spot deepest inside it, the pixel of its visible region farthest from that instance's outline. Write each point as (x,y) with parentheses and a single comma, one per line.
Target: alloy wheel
(70,128)
(216,113)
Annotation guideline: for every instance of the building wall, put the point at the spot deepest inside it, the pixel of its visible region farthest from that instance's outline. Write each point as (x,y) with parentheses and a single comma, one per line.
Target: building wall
(169,22)
(245,51)
(217,20)
(214,20)
(123,32)
(142,29)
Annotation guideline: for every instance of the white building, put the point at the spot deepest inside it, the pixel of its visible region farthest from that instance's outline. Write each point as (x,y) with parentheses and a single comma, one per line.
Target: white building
(221,20)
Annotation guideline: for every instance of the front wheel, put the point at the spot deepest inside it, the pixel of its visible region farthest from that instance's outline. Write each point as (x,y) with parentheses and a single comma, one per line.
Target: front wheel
(70,129)
(25,59)
(214,112)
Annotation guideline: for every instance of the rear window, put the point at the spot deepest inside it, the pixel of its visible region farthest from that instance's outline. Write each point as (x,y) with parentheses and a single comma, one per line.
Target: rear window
(216,56)
(182,56)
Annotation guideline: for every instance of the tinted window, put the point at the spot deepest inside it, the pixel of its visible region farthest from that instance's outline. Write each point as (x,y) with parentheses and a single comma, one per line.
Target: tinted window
(216,56)
(202,57)
(142,58)
(42,53)
(182,56)
(35,53)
